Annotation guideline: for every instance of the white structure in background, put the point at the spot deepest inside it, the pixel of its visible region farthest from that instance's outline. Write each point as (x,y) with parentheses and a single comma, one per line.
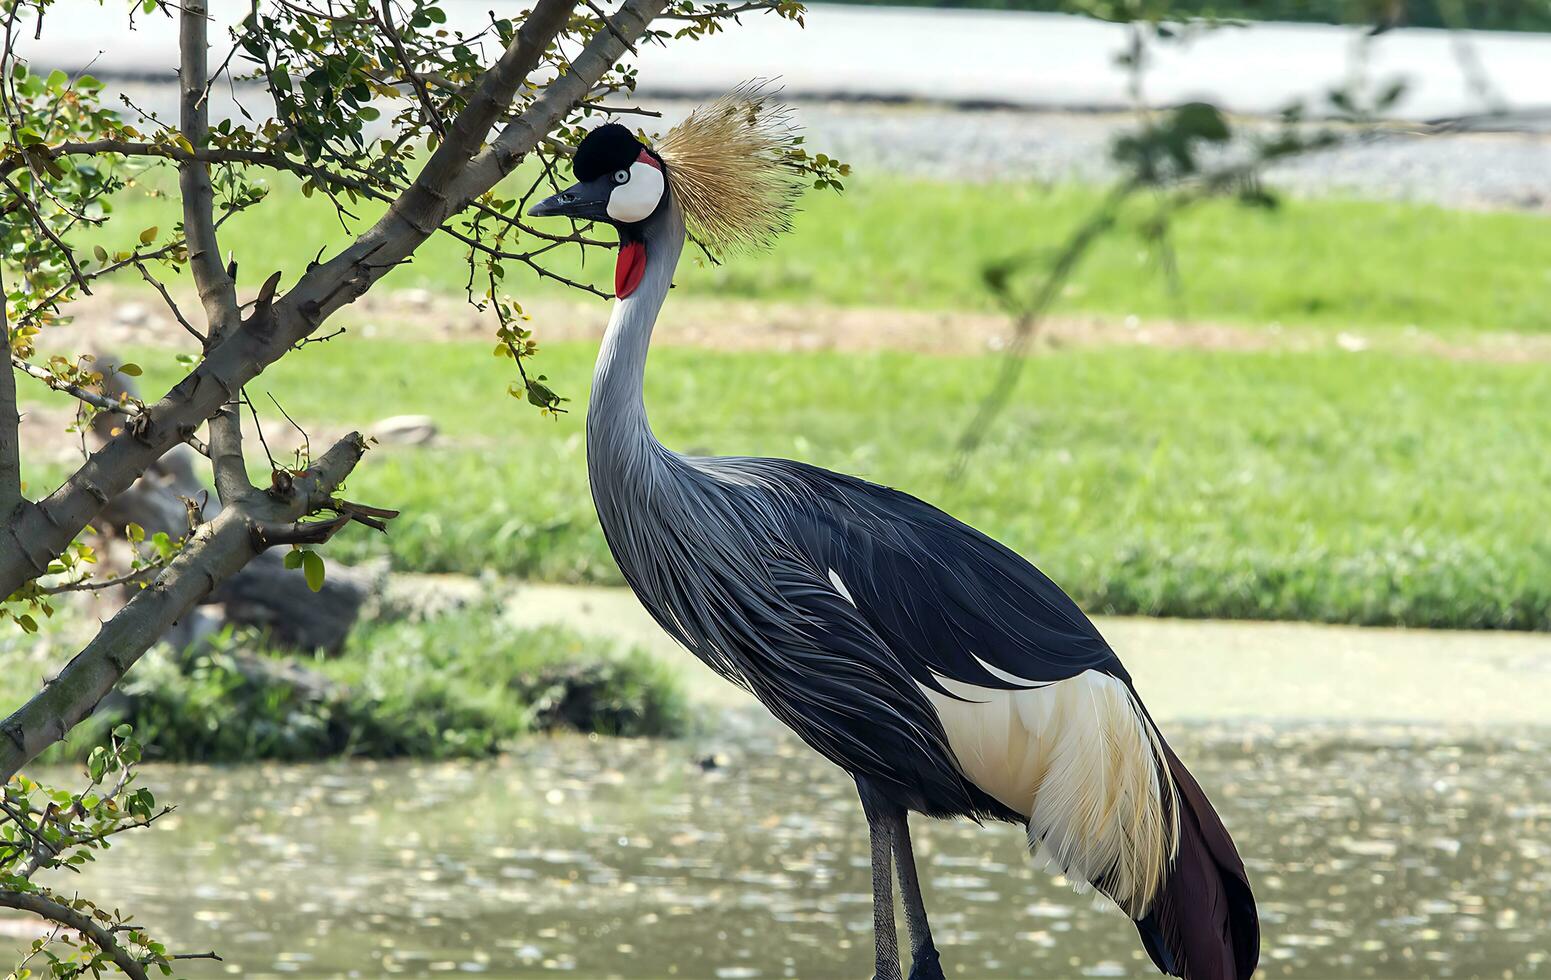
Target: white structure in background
(1044,61)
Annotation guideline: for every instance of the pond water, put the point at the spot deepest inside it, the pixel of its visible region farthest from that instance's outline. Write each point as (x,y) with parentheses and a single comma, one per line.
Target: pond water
(1376,852)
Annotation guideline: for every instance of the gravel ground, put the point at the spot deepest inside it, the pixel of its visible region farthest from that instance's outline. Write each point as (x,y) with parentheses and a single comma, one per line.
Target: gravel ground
(1477,170)
(1473,170)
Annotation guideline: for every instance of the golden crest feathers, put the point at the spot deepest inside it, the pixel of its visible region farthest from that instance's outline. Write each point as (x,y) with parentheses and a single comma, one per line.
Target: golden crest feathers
(730,165)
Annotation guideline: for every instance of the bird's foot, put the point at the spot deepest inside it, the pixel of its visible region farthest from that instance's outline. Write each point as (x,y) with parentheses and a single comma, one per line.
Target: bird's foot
(926,965)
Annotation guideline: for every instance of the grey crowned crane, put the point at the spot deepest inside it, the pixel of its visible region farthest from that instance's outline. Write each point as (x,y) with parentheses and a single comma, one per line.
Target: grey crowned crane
(941,671)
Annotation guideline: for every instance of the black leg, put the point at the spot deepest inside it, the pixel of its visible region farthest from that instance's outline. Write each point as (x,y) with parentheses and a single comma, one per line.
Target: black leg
(880,834)
(924,962)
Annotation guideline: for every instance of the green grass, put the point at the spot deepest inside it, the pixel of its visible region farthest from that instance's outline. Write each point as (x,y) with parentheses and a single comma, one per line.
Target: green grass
(1367,488)
(906,243)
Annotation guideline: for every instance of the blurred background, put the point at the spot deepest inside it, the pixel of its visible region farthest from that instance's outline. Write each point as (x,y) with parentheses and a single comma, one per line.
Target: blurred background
(1237,327)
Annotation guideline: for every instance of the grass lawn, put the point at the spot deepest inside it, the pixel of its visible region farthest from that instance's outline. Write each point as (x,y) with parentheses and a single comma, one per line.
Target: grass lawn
(1364,488)
(908,243)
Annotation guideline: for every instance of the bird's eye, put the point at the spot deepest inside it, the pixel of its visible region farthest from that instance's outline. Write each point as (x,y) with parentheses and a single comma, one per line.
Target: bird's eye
(620,176)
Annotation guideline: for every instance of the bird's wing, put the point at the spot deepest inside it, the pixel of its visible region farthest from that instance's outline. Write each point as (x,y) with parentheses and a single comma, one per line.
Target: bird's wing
(724,573)
(947,600)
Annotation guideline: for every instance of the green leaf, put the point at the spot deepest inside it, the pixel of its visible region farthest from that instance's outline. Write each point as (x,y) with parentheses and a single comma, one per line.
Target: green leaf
(293,559)
(131,369)
(30,625)
(149,235)
(312,567)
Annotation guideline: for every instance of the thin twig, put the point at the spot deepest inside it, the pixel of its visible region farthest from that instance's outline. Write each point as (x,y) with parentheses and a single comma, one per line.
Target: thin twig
(171,305)
(98,585)
(92,398)
(42,225)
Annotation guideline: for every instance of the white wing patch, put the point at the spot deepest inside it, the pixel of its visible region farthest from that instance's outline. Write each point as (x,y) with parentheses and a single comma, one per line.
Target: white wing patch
(1078,759)
(840,587)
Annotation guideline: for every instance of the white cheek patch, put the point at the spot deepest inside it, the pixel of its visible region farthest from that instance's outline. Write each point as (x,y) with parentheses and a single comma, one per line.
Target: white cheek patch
(637,198)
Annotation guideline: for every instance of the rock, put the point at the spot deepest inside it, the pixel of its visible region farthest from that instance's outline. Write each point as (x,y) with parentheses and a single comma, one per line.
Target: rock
(416,299)
(404,430)
(277,600)
(132,315)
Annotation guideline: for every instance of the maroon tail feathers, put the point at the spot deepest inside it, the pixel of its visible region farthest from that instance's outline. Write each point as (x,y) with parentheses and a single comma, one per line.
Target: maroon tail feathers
(1203,925)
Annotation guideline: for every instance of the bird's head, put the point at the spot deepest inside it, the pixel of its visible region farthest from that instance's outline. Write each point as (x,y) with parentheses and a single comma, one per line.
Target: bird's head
(729,168)
(618,180)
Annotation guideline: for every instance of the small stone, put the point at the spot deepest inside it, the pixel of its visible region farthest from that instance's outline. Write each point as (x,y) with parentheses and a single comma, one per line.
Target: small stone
(131,315)
(404,430)
(416,299)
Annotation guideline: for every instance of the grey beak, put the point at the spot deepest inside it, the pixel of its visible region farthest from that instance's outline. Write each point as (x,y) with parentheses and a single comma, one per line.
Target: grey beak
(585,201)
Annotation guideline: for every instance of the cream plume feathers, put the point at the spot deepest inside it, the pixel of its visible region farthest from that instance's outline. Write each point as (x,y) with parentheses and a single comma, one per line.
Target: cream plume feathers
(731,167)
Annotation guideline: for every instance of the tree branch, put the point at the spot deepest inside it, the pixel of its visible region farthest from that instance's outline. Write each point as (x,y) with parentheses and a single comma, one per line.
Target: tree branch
(172,304)
(81,922)
(95,400)
(269,333)
(557,100)
(98,585)
(213,553)
(432,117)
(41,223)
(217,291)
(10,423)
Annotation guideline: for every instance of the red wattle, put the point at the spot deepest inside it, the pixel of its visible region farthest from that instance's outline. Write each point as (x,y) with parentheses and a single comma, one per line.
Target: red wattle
(629,268)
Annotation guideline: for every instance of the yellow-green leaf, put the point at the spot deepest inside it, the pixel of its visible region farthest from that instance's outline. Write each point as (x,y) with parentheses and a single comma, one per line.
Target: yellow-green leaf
(312,568)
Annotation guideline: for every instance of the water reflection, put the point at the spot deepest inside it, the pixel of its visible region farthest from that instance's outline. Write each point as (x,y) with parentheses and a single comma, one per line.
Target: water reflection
(1375,852)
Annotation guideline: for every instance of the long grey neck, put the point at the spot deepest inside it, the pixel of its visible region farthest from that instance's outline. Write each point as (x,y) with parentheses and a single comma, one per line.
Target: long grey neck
(618,432)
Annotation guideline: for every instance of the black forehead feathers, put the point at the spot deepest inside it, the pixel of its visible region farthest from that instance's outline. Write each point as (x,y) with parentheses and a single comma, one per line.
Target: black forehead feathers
(606,149)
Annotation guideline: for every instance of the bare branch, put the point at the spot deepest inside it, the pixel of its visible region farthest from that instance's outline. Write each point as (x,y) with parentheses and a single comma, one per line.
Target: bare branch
(95,399)
(10,424)
(103,938)
(603,16)
(557,100)
(171,303)
(98,585)
(433,118)
(1030,318)
(299,532)
(449,180)
(217,291)
(39,223)
(741,8)
(52,300)
(213,553)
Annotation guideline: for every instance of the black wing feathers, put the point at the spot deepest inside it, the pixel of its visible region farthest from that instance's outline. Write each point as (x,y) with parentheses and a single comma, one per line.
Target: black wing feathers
(943,596)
